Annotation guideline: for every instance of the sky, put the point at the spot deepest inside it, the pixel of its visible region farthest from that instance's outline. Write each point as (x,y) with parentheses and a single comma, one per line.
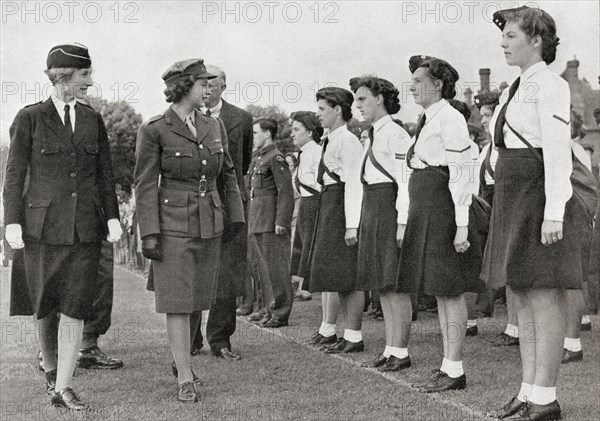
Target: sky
(273,52)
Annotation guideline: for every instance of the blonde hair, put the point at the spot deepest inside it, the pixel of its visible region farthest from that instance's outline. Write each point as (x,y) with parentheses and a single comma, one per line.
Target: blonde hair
(60,74)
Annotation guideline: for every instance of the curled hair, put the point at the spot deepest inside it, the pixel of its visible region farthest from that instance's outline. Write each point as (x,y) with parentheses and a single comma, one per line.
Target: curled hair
(268,124)
(442,70)
(175,92)
(333,100)
(534,22)
(310,122)
(461,107)
(379,86)
(59,75)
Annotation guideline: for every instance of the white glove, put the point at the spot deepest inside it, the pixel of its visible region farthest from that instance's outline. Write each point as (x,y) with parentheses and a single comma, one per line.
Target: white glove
(114,230)
(14,236)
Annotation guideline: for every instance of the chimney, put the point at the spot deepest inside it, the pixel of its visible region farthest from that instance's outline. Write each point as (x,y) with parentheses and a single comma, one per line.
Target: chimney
(572,71)
(484,81)
(468,96)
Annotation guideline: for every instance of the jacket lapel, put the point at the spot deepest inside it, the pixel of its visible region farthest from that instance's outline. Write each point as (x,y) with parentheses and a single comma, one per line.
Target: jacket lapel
(178,126)
(82,117)
(230,118)
(53,120)
(201,126)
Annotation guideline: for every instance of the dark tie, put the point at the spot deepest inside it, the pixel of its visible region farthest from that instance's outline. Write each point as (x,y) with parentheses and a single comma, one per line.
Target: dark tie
(208,113)
(297,179)
(362,170)
(68,121)
(321,170)
(411,151)
(501,120)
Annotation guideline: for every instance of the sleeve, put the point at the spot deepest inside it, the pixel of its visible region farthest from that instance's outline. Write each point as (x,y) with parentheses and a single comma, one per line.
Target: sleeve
(234,209)
(105,178)
(17,165)
(285,192)
(145,176)
(398,146)
(351,156)
(553,108)
(455,136)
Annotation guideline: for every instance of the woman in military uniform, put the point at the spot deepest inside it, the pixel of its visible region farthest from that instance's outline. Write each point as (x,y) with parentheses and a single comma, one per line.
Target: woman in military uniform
(60,203)
(179,155)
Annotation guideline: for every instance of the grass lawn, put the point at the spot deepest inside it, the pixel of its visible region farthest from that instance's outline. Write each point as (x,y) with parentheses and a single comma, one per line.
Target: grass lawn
(278,378)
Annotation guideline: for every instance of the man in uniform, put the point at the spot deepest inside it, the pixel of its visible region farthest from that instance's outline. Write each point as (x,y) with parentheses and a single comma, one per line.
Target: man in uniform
(269,223)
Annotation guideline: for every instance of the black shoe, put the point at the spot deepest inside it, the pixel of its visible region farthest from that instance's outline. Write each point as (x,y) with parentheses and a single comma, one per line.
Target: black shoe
(187,393)
(435,374)
(195,379)
(226,354)
(317,339)
(586,327)
(50,382)
(376,363)
(346,347)
(445,382)
(503,340)
(472,331)
(274,323)
(571,356)
(339,342)
(93,357)
(195,350)
(533,412)
(510,408)
(395,364)
(66,398)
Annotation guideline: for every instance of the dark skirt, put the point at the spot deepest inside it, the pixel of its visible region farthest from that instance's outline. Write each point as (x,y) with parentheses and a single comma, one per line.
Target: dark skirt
(233,265)
(20,301)
(514,254)
(303,237)
(487,193)
(59,278)
(333,263)
(429,263)
(186,278)
(378,252)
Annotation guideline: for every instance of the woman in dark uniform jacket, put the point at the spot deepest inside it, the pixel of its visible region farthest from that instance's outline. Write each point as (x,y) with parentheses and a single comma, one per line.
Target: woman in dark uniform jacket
(441,254)
(179,155)
(533,245)
(60,203)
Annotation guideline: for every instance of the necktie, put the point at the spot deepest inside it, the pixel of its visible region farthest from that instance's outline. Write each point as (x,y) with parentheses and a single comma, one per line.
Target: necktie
(364,163)
(499,127)
(411,151)
(297,178)
(321,170)
(207,113)
(190,124)
(68,125)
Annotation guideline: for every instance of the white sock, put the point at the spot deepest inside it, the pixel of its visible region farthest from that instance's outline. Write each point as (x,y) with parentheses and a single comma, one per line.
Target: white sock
(585,319)
(454,369)
(471,323)
(327,329)
(573,344)
(525,392)
(386,352)
(444,367)
(353,336)
(512,330)
(542,395)
(399,352)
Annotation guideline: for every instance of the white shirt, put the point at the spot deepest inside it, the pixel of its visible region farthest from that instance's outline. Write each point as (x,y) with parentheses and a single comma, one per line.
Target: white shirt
(60,108)
(489,180)
(309,166)
(344,158)
(214,111)
(444,141)
(540,112)
(390,144)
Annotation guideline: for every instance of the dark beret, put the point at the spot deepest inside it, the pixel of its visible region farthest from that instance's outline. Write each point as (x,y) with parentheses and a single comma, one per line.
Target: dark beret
(438,68)
(69,55)
(338,95)
(487,98)
(185,68)
(499,17)
(417,61)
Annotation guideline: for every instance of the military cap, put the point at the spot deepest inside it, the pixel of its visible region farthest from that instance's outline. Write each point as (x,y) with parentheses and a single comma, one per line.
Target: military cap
(487,98)
(341,96)
(182,69)
(69,55)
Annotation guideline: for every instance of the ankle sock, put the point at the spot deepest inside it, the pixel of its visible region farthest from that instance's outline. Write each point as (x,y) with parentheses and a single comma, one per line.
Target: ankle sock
(399,352)
(354,336)
(542,395)
(444,366)
(327,329)
(573,344)
(585,319)
(525,392)
(386,352)
(512,330)
(471,323)
(454,369)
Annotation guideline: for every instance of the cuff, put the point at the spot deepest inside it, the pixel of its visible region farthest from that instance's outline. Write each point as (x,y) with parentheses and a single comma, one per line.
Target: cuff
(402,217)
(462,216)
(554,212)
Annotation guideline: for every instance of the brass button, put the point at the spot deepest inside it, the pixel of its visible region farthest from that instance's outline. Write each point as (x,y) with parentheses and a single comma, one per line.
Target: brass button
(177,153)
(202,194)
(73,175)
(166,200)
(204,162)
(73,194)
(201,146)
(43,150)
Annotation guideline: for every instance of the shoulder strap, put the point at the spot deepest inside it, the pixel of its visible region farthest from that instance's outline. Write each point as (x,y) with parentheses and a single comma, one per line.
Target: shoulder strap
(531,148)
(378,166)
(305,187)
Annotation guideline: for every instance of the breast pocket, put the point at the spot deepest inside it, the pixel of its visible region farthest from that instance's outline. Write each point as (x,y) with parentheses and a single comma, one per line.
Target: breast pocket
(215,161)
(217,212)
(178,162)
(173,210)
(35,215)
(50,160)
(89,158)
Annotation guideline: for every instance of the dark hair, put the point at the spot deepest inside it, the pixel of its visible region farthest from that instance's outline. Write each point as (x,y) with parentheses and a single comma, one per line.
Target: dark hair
(534,22)
(294,158)
(268,124)
(577,127)
(442,70)
(175,92)
(379,86)
(311,122)
(461,107)
(597,115)
(333,99)
(398,122)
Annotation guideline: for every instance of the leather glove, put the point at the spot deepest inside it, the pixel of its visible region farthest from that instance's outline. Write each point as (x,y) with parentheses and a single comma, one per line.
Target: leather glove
(151,247)
(14,236)
(231,231)
(114,230)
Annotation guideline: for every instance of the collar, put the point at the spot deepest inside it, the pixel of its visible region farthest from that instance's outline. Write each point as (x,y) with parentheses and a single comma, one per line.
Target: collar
(309,145)
(337,132)
(435,108)
(265,149)
(540,65)
(60,104)
(214,110)
(382,122)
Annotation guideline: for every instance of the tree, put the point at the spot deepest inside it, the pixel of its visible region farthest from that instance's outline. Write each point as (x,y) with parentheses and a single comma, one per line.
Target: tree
(122,123)
(284,129)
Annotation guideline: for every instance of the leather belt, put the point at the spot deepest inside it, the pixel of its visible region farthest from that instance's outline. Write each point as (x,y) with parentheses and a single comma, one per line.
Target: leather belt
(203,185)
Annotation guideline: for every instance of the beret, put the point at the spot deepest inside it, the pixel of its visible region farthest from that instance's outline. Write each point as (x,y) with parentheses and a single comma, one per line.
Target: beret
(487,98)
(417,61)
(499,17)
(438,68)
(339,95)
(69,55)
(185,68)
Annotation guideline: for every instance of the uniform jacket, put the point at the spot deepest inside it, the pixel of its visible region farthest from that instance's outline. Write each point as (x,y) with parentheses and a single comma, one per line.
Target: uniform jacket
(70,184)
(181,205)
(271,192)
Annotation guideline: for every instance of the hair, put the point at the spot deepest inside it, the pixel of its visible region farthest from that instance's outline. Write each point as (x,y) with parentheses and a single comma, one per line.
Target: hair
(60,74)
(474,131)
(379,86)
(310,122)
(461,107)
(268,124)
(293,156)
(177,91)
(534,22)
(442,70)
(333,100)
